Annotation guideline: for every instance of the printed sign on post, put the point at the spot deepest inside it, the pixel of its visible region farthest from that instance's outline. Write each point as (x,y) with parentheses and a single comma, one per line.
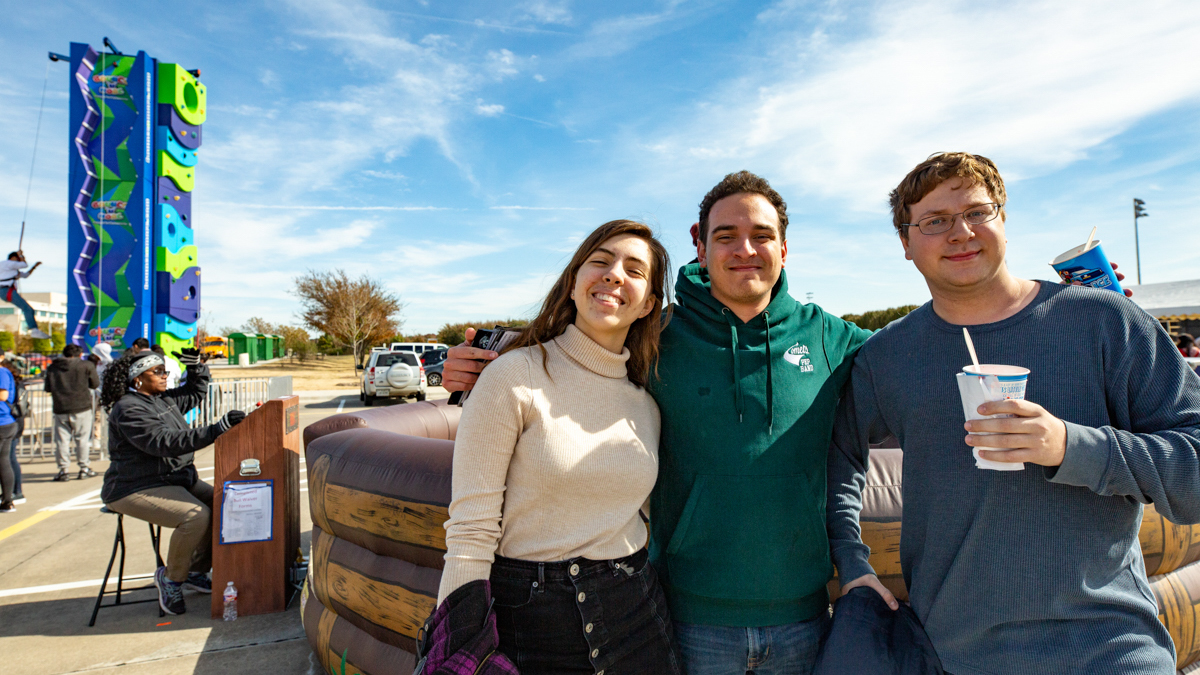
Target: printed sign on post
(246,511)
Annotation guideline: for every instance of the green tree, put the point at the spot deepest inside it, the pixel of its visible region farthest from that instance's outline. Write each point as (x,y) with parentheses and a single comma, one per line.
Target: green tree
(325,344)
(455,333)
(7,342)
(876,319)
(58,340)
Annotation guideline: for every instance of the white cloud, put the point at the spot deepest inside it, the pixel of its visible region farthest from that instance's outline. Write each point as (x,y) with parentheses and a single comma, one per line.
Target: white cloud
(1034,85)
(269,79)
(488,110)
(502,63)
(547,11)
(386,175)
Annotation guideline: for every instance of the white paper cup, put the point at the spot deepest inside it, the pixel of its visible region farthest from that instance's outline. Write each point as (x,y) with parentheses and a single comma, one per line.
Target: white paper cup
(990,383)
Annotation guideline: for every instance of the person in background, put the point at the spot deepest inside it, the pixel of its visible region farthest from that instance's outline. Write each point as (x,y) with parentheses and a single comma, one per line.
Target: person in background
(70,381)
(556,453)
(1187,345)
(102,351)
(18,493)
(8,431)
(140,345)
(174,374)
(151,476)
(11,272)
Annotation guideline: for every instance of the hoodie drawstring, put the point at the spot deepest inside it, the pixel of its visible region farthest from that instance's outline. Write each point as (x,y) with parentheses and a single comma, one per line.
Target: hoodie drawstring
(770,370)
(737,371)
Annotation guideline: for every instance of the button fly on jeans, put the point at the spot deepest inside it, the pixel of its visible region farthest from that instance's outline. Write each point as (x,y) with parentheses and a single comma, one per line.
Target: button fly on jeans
(595,653)
(581,597)
(574,570)
(587,628)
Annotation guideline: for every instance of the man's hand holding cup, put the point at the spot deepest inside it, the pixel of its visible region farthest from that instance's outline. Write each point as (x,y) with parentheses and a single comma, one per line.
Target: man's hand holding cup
(1032,434)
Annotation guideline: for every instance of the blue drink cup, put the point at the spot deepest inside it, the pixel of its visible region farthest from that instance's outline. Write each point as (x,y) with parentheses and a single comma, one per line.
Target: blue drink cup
(1087,266)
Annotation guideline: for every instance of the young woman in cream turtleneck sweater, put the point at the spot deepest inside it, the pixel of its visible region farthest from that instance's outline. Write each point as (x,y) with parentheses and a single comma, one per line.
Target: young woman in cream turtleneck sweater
(555,455)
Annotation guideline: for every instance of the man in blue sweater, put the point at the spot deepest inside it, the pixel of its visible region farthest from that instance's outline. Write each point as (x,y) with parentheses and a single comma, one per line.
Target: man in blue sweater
(1032,571)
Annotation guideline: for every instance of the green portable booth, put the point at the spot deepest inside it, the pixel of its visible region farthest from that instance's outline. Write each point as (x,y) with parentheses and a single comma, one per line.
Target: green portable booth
(268,347)
(243,343)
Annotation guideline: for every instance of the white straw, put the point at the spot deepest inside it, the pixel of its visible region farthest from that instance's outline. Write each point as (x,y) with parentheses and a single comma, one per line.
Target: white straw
(971,348)
(1091,237)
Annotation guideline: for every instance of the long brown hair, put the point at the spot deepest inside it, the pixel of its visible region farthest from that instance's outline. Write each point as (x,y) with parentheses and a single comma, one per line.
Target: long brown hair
(558,310)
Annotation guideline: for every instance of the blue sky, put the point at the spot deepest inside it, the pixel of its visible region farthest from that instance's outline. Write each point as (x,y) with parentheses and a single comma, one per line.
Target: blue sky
(460,151)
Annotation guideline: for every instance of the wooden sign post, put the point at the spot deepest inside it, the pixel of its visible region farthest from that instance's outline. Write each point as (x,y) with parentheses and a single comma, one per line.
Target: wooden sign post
(256,535)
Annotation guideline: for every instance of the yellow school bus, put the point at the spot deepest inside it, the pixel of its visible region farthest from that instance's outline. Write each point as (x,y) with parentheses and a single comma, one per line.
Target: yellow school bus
(215,345)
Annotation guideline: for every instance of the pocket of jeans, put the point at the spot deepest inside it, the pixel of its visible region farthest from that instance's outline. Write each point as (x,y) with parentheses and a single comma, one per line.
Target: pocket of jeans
(511,593)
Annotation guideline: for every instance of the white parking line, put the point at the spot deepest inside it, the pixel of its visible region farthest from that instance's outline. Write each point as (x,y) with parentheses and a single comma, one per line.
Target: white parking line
(341,405)
(71,584)
(75,503)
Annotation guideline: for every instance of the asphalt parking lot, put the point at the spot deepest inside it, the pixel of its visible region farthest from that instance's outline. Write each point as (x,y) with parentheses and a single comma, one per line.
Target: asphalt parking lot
(53,552)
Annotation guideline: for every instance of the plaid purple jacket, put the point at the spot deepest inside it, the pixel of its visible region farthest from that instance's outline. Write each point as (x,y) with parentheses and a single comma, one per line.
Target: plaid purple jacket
(461,638)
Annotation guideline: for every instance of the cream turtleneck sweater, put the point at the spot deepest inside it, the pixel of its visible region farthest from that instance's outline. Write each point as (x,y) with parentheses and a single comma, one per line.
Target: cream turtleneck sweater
(548,468)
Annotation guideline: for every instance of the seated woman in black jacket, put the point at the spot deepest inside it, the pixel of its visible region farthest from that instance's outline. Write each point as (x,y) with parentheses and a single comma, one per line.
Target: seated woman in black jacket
(151,476)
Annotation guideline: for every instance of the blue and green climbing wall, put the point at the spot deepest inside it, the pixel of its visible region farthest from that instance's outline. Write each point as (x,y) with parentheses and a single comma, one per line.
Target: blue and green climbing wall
(136,130)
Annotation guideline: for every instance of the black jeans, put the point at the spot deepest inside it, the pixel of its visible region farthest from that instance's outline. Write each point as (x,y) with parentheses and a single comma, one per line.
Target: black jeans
(584,616)
(7,433)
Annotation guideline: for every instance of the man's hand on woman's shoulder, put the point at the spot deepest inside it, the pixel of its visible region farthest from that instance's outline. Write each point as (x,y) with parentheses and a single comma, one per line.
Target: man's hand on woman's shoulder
(464,363)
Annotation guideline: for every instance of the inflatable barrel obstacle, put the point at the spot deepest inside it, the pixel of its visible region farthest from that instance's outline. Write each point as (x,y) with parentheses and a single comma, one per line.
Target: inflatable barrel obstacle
(379,487)
(379,503)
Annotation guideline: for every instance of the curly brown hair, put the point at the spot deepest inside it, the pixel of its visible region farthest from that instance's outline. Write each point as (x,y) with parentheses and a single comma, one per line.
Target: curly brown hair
(937,169)
(739,183)
(558,311)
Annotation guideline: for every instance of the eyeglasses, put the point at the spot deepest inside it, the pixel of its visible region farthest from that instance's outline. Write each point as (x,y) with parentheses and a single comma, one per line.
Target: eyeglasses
(976,215)
(160,371)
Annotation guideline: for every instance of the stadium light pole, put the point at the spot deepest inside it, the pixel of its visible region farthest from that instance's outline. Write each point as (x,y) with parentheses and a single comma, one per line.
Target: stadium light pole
(1139,211)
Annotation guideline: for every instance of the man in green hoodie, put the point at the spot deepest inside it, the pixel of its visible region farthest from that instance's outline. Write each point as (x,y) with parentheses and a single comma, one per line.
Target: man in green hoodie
(748,382)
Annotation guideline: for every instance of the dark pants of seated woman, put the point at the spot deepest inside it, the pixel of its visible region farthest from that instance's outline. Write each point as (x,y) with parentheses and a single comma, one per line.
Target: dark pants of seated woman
(584,616)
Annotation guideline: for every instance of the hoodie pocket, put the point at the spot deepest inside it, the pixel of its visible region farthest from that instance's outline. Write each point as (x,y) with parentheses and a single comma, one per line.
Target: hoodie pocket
(751,538)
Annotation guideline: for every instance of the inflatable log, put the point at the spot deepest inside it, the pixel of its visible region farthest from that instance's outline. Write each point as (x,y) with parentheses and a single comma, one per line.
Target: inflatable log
(332,637)
(382,491)
(425,419)
(386,598)
(379,503)
(1178,597)
(1166,546)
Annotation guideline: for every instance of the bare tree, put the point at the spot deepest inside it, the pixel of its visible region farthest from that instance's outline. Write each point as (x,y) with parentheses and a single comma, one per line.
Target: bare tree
(356,313)
(260,326)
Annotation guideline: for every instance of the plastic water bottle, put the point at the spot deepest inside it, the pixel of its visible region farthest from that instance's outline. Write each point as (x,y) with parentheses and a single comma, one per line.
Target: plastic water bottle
(230,602)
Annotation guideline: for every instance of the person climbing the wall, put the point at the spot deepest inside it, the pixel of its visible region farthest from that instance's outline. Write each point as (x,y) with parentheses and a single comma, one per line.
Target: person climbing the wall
(12,271)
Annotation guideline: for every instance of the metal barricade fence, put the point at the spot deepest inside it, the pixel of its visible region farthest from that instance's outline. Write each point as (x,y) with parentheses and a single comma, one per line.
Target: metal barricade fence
(230,394)
(224,395)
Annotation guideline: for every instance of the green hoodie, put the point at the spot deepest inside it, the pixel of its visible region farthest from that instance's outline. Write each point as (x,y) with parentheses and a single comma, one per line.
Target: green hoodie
(737,517)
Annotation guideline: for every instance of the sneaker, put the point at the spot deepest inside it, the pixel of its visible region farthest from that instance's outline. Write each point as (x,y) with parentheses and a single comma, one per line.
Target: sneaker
(170,593)
(38,334)
(198,582)
(62,476)
(86,472)
(7,507)
(19,498)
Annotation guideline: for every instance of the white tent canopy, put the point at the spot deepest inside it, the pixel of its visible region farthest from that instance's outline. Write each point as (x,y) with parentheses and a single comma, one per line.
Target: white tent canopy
(1174,300)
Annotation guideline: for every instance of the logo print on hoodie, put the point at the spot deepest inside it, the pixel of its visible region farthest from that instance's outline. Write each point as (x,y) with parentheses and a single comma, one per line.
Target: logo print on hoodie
(797,355)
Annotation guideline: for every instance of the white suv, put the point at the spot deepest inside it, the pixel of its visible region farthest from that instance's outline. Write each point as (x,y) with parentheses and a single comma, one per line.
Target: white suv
(392,375)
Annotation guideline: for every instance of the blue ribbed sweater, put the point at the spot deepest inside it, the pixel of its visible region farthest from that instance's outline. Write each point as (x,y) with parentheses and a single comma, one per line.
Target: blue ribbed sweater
(1034,571)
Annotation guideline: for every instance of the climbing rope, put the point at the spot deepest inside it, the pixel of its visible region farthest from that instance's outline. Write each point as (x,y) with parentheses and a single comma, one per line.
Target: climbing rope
(33,162)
